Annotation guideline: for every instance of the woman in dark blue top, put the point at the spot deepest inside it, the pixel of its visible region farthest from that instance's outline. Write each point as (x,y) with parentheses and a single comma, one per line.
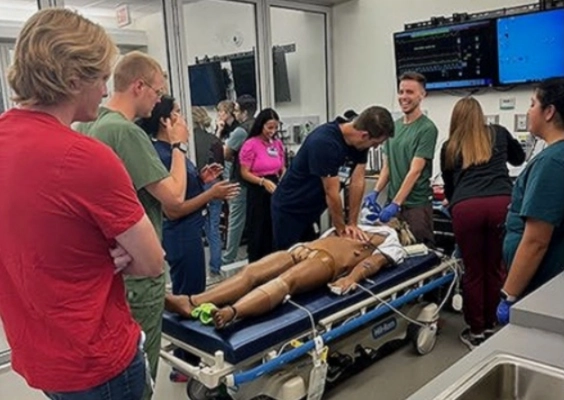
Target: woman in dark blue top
(182,228)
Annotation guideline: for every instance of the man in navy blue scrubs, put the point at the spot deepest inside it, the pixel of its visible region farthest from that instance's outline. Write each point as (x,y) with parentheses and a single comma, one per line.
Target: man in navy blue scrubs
(333,155)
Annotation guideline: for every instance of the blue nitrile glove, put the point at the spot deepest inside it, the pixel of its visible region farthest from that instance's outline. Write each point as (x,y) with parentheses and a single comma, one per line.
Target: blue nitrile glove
(371,198)
(503,310)
(389,212)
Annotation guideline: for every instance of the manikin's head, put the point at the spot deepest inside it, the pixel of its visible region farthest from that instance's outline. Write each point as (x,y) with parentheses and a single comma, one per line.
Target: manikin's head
(369,215)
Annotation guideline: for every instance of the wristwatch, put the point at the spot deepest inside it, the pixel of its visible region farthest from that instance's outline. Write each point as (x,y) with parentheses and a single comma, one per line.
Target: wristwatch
(183,147)
(507,297)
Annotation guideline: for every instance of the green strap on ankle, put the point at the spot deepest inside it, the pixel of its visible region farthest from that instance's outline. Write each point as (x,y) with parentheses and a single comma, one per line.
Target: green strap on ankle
(204,313)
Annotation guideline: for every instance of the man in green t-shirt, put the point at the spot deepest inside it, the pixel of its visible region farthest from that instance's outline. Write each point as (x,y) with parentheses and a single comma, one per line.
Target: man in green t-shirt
(139,84)
(408,162)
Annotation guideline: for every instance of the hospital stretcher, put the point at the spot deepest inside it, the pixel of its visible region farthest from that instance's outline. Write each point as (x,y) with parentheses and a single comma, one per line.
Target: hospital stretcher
(310,340)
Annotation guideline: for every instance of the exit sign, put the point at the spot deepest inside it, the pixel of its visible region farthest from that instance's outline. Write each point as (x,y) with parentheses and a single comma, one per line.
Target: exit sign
(122,15)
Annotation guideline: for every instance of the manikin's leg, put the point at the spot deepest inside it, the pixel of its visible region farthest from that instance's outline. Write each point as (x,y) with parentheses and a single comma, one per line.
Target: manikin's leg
(307,275)
(232,289)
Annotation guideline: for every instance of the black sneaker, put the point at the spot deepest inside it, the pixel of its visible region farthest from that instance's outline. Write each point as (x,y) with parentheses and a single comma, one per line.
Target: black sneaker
(470,339)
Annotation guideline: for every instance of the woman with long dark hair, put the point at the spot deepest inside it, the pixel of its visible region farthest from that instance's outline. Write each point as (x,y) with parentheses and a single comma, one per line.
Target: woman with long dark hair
(478,188)
(183,227)
(262,162)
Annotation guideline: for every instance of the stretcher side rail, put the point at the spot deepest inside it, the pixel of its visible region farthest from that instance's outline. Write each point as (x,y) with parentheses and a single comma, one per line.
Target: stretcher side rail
(212,372)
(363,305)
(330,335)
(213,369)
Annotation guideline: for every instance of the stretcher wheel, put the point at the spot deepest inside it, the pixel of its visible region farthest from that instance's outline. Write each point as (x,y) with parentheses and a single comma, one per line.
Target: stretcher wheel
(423,338)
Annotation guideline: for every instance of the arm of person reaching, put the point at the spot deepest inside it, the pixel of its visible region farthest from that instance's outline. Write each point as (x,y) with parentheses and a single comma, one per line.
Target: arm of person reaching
(383,177)
(415,170)
(356,191)
(528,257)
(171,190)
(223,190)
(381,183)
(332,187)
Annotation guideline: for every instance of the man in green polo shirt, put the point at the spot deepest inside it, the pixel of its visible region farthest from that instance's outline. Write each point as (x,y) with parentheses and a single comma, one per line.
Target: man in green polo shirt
(408,163)
(139,84)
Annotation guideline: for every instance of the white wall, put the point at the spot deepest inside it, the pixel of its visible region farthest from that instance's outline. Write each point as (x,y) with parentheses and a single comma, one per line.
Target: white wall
(364,56)
(306,67)
(216,28)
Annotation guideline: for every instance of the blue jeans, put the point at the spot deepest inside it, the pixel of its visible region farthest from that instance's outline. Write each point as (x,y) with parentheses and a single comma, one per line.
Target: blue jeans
(237,218)
(129,385)
(212,234)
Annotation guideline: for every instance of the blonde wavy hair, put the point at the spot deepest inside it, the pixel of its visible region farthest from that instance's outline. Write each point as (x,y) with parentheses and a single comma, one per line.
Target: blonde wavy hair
(55,48)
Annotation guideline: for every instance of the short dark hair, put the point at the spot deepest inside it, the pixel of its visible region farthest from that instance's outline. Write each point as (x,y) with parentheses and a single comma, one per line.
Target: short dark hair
(550,92)
(413,76)
(163,109)
(262,118)
(247,103)
(375,120)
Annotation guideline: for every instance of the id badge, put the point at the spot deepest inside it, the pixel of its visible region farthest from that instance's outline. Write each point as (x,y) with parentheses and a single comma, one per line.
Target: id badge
(272,151)
(344,173)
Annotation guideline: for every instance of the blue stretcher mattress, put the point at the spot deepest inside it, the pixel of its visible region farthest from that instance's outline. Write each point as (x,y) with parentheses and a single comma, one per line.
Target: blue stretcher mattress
(247,338)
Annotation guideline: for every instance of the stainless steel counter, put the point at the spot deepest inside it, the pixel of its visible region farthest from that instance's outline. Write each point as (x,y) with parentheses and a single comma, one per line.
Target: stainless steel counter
(536,333)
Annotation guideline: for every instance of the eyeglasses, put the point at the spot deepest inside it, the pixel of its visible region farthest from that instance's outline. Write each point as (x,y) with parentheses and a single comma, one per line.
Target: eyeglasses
(160,92)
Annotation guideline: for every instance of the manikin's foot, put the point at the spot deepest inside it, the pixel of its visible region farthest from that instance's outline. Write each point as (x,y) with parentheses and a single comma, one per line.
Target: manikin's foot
(179,304)
(223,317)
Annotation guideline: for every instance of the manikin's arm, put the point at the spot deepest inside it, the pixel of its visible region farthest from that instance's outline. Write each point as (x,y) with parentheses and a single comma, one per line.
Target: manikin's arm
(364,269)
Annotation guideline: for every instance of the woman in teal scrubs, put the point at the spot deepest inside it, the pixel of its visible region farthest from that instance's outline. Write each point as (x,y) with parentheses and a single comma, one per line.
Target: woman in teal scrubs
(534,242)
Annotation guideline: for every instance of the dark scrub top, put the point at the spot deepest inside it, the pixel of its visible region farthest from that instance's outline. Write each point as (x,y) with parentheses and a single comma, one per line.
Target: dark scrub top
(539,194)
(324,153)
(182,238)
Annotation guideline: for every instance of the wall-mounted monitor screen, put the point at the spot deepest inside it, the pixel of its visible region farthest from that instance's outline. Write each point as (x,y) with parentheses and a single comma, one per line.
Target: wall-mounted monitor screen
(462,55)
(207,84)
(530,47)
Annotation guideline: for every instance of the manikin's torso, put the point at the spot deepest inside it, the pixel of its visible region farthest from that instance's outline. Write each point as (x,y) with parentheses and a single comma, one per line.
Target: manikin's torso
(347,252)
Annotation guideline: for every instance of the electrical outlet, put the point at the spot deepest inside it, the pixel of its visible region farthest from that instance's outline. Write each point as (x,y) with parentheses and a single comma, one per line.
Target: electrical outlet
(492,119)
(521,123)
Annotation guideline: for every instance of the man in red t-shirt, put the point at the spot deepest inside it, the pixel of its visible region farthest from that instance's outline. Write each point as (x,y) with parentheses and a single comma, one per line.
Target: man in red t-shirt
(66,200)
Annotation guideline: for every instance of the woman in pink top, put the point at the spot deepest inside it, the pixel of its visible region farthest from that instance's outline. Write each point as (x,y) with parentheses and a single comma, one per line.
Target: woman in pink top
(262,164)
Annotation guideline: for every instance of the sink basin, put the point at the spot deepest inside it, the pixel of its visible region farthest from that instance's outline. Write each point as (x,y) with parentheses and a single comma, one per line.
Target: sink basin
(509,378)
